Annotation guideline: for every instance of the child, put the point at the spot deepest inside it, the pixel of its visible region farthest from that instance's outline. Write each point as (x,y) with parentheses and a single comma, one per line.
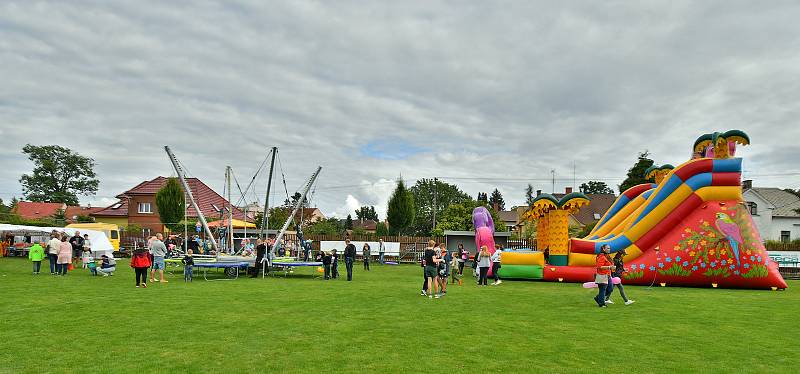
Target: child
(140,262)
(86,258)
(188,266)
(87,250)
(455,276)
(334,265)
(36,254)
(442,269)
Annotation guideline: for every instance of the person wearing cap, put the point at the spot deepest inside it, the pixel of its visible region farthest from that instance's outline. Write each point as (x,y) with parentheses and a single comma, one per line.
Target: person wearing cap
(619,269)
(603,275)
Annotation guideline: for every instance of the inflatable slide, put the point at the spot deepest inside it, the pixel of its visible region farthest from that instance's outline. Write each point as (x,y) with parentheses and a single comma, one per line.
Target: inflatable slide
(690,228)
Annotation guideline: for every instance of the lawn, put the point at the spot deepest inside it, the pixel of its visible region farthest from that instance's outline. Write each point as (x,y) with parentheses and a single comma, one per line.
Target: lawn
(379,323)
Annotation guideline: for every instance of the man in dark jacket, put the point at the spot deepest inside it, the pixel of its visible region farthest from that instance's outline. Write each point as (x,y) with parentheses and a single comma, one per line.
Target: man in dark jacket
(261,249)
(349,258)
(77,245)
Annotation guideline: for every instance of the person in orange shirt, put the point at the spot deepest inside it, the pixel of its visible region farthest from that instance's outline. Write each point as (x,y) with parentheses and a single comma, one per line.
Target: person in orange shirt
(603,274)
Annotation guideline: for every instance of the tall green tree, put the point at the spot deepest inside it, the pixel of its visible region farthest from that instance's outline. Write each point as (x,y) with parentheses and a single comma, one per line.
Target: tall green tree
(59,175)
(381,229)
(529,195)
(482,196)
(636,172)
(348,223)
(496,200)
(433,196)
(170,203)
(402,211)
(458,217)
(328,226)
(367,212)
(595,187)
(277,217)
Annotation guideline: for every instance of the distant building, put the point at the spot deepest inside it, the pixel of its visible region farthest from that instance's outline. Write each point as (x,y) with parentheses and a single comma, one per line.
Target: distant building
(369,226)
(137,206)
(73,213)
(774,211)
(37,210)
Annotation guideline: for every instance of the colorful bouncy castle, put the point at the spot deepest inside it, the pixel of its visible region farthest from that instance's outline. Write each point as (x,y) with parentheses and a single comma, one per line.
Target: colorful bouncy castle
(689,228)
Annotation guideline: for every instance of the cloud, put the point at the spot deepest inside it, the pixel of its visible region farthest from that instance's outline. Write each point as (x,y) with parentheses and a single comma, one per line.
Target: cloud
(488,96)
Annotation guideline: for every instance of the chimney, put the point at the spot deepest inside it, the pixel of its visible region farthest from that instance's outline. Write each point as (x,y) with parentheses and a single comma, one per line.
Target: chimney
(568,190)
(747,184)
(538,193)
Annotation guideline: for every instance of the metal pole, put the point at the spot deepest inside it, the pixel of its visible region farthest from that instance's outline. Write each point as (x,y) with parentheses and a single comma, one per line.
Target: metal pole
(265,217)
(188,192)
(289,219)
(230,213)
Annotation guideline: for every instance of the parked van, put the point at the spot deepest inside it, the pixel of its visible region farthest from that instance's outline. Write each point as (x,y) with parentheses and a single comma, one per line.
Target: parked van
(111,230)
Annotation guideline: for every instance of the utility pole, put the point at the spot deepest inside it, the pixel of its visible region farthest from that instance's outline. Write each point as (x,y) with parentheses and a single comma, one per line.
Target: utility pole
(553,172)
(435,185)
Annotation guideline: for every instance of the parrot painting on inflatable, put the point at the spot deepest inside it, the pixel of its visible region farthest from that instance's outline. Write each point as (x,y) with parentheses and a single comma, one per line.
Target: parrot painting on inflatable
(484,229)
(730,229)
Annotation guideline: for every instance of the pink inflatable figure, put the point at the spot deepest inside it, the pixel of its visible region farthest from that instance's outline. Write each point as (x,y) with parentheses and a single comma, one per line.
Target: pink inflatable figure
(484,230)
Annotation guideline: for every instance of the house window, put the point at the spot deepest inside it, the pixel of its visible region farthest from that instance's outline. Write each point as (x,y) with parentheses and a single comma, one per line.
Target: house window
(145,208)
(786,236)
(146,233)
(753,208)
(116,206)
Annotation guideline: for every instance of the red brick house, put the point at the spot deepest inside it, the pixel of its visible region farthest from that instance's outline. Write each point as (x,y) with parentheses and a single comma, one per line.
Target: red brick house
(138,205)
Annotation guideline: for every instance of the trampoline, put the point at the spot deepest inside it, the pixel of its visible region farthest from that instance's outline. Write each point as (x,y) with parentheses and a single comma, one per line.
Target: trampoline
(231,268)
(289,265)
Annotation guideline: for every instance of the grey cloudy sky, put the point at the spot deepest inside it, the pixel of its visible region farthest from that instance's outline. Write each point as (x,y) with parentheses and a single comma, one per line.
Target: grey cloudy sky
(482,94)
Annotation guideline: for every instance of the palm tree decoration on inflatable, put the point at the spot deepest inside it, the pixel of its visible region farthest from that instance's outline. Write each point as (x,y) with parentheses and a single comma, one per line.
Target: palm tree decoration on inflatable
(552,223)
(658,173)
(719,145)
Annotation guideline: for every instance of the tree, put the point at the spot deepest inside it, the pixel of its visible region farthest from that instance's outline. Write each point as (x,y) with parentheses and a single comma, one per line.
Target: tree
(496,200)
(294,198)
(4,210)
(277,217)
(367,212)
(84,219)
(529,195)
(401,212)
(59,217)
(636,173)
(433,196)
(59,175)
(170,203)
(328,226)
(595,187)
(458,217)
(348,223)
(482,196)
(381,229)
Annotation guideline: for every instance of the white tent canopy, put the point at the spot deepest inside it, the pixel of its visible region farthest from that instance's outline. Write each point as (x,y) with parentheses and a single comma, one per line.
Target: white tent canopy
(100,244)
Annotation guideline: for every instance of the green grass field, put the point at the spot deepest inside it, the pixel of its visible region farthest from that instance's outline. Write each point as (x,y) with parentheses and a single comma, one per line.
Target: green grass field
(379,323)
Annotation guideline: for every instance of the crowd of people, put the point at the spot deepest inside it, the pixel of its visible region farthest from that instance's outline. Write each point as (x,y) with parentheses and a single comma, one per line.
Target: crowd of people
(64,252)
(440,267)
